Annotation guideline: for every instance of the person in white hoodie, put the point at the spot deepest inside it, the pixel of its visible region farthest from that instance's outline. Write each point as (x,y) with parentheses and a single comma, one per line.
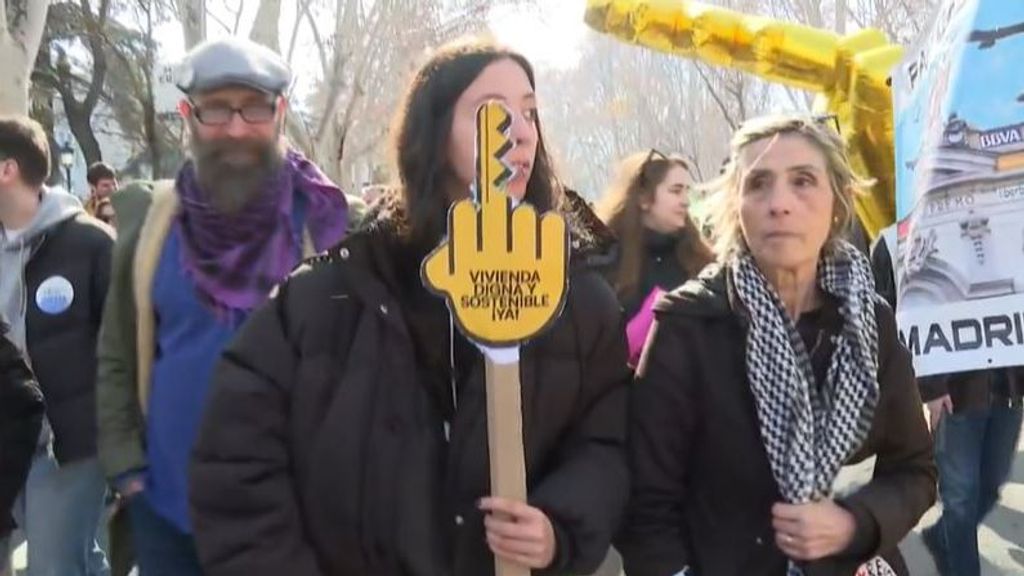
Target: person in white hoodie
(54,271)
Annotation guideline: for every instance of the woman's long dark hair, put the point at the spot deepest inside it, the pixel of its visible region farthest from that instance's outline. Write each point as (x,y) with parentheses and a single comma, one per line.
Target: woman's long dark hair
(639,175)
(422,129)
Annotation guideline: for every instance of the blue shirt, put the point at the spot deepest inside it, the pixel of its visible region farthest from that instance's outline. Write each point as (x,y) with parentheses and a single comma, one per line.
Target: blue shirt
(189,341)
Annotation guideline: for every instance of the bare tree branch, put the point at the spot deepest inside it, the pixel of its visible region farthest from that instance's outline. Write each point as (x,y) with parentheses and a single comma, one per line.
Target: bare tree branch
(238,18)
(96,27)
(302,9)
(340,57)
(227,28)
(321,47)
(714,95)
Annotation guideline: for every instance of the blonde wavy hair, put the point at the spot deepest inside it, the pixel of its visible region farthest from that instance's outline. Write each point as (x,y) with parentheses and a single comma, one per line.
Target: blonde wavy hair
(724,198)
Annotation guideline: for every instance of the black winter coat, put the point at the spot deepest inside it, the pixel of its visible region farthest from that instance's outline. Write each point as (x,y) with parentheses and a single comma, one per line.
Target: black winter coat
(703,488)
(323,447)
(660,268)
(21,416)
(63,346)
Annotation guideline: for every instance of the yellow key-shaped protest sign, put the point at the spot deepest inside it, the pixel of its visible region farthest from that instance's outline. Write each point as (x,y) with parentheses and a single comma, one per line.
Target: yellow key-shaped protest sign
(502,270)
(503,267)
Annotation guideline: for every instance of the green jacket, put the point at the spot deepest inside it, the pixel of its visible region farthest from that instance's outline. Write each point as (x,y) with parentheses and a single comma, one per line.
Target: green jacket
(118,387)
(145,211)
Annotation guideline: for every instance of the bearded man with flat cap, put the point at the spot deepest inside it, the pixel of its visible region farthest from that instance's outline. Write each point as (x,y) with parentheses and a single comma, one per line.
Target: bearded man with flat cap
(190,264)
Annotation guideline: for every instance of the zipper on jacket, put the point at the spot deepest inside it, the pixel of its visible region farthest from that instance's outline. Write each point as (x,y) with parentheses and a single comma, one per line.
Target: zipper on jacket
(453,381)
(23,264)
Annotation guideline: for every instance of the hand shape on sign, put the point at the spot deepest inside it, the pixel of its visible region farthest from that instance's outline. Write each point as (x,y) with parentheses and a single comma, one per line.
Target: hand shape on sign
(502,269)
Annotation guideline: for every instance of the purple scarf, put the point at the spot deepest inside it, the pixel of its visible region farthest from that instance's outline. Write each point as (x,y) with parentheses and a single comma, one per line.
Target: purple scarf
(236,260)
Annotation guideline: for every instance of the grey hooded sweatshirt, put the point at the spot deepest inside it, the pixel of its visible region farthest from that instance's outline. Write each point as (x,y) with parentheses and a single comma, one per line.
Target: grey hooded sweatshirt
(17,248)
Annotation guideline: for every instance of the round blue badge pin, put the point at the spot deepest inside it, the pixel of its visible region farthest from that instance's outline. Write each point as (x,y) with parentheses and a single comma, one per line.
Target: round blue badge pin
(55,295)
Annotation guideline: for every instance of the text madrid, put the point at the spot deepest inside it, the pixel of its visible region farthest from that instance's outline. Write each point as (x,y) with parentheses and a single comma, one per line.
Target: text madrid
(965,334)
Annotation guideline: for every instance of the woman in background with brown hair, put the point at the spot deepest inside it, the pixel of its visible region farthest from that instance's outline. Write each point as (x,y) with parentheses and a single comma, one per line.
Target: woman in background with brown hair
(647,207)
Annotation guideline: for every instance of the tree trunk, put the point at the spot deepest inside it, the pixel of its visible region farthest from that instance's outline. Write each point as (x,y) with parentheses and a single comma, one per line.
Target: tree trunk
(81,128)
(265,27)
(79,114)
(192,14)
(20,36)
(265,31)
(41,109)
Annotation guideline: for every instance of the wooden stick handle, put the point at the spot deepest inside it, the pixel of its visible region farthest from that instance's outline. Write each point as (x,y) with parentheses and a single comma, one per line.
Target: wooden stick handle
(505,442)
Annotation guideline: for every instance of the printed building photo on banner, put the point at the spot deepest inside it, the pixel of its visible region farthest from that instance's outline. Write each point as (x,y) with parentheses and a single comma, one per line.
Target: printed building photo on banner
(959,117)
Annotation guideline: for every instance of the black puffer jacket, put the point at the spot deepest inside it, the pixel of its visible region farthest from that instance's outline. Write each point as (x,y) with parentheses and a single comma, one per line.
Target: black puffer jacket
(63,346)
(660,268)
(703,488)
(323,449)
(21,416)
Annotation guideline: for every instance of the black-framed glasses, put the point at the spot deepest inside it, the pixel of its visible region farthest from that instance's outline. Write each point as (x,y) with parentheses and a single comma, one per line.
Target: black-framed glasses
(221,114)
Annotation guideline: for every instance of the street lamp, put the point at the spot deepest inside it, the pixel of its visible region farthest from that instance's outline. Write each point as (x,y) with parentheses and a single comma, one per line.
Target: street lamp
(67,160)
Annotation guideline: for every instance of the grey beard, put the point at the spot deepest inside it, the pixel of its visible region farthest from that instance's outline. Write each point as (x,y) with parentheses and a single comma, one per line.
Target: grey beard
(230,187)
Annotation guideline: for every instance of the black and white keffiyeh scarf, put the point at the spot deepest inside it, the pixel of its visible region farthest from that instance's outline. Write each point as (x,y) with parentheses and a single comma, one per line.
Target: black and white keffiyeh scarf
(809,433)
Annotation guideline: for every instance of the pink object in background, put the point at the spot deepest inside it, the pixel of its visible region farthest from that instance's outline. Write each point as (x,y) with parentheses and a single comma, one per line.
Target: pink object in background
(640,325)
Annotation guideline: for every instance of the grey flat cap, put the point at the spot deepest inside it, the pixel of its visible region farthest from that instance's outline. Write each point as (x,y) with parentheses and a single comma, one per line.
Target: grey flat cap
(226,62)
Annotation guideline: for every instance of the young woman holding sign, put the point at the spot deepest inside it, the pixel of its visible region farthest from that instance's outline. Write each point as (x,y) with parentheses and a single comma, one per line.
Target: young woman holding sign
(347,429)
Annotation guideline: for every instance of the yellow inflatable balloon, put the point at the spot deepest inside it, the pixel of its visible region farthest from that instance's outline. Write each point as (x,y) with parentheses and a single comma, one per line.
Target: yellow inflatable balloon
(850,73)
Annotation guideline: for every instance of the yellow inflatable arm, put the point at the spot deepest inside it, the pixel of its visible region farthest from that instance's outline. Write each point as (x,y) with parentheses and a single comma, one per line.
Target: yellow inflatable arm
(850,73)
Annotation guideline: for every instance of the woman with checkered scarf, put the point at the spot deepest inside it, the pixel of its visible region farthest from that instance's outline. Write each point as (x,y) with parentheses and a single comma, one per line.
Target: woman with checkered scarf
(766,375)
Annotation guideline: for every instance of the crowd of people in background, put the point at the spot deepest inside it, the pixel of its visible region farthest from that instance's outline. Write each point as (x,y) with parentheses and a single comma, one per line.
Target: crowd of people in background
(243,373)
